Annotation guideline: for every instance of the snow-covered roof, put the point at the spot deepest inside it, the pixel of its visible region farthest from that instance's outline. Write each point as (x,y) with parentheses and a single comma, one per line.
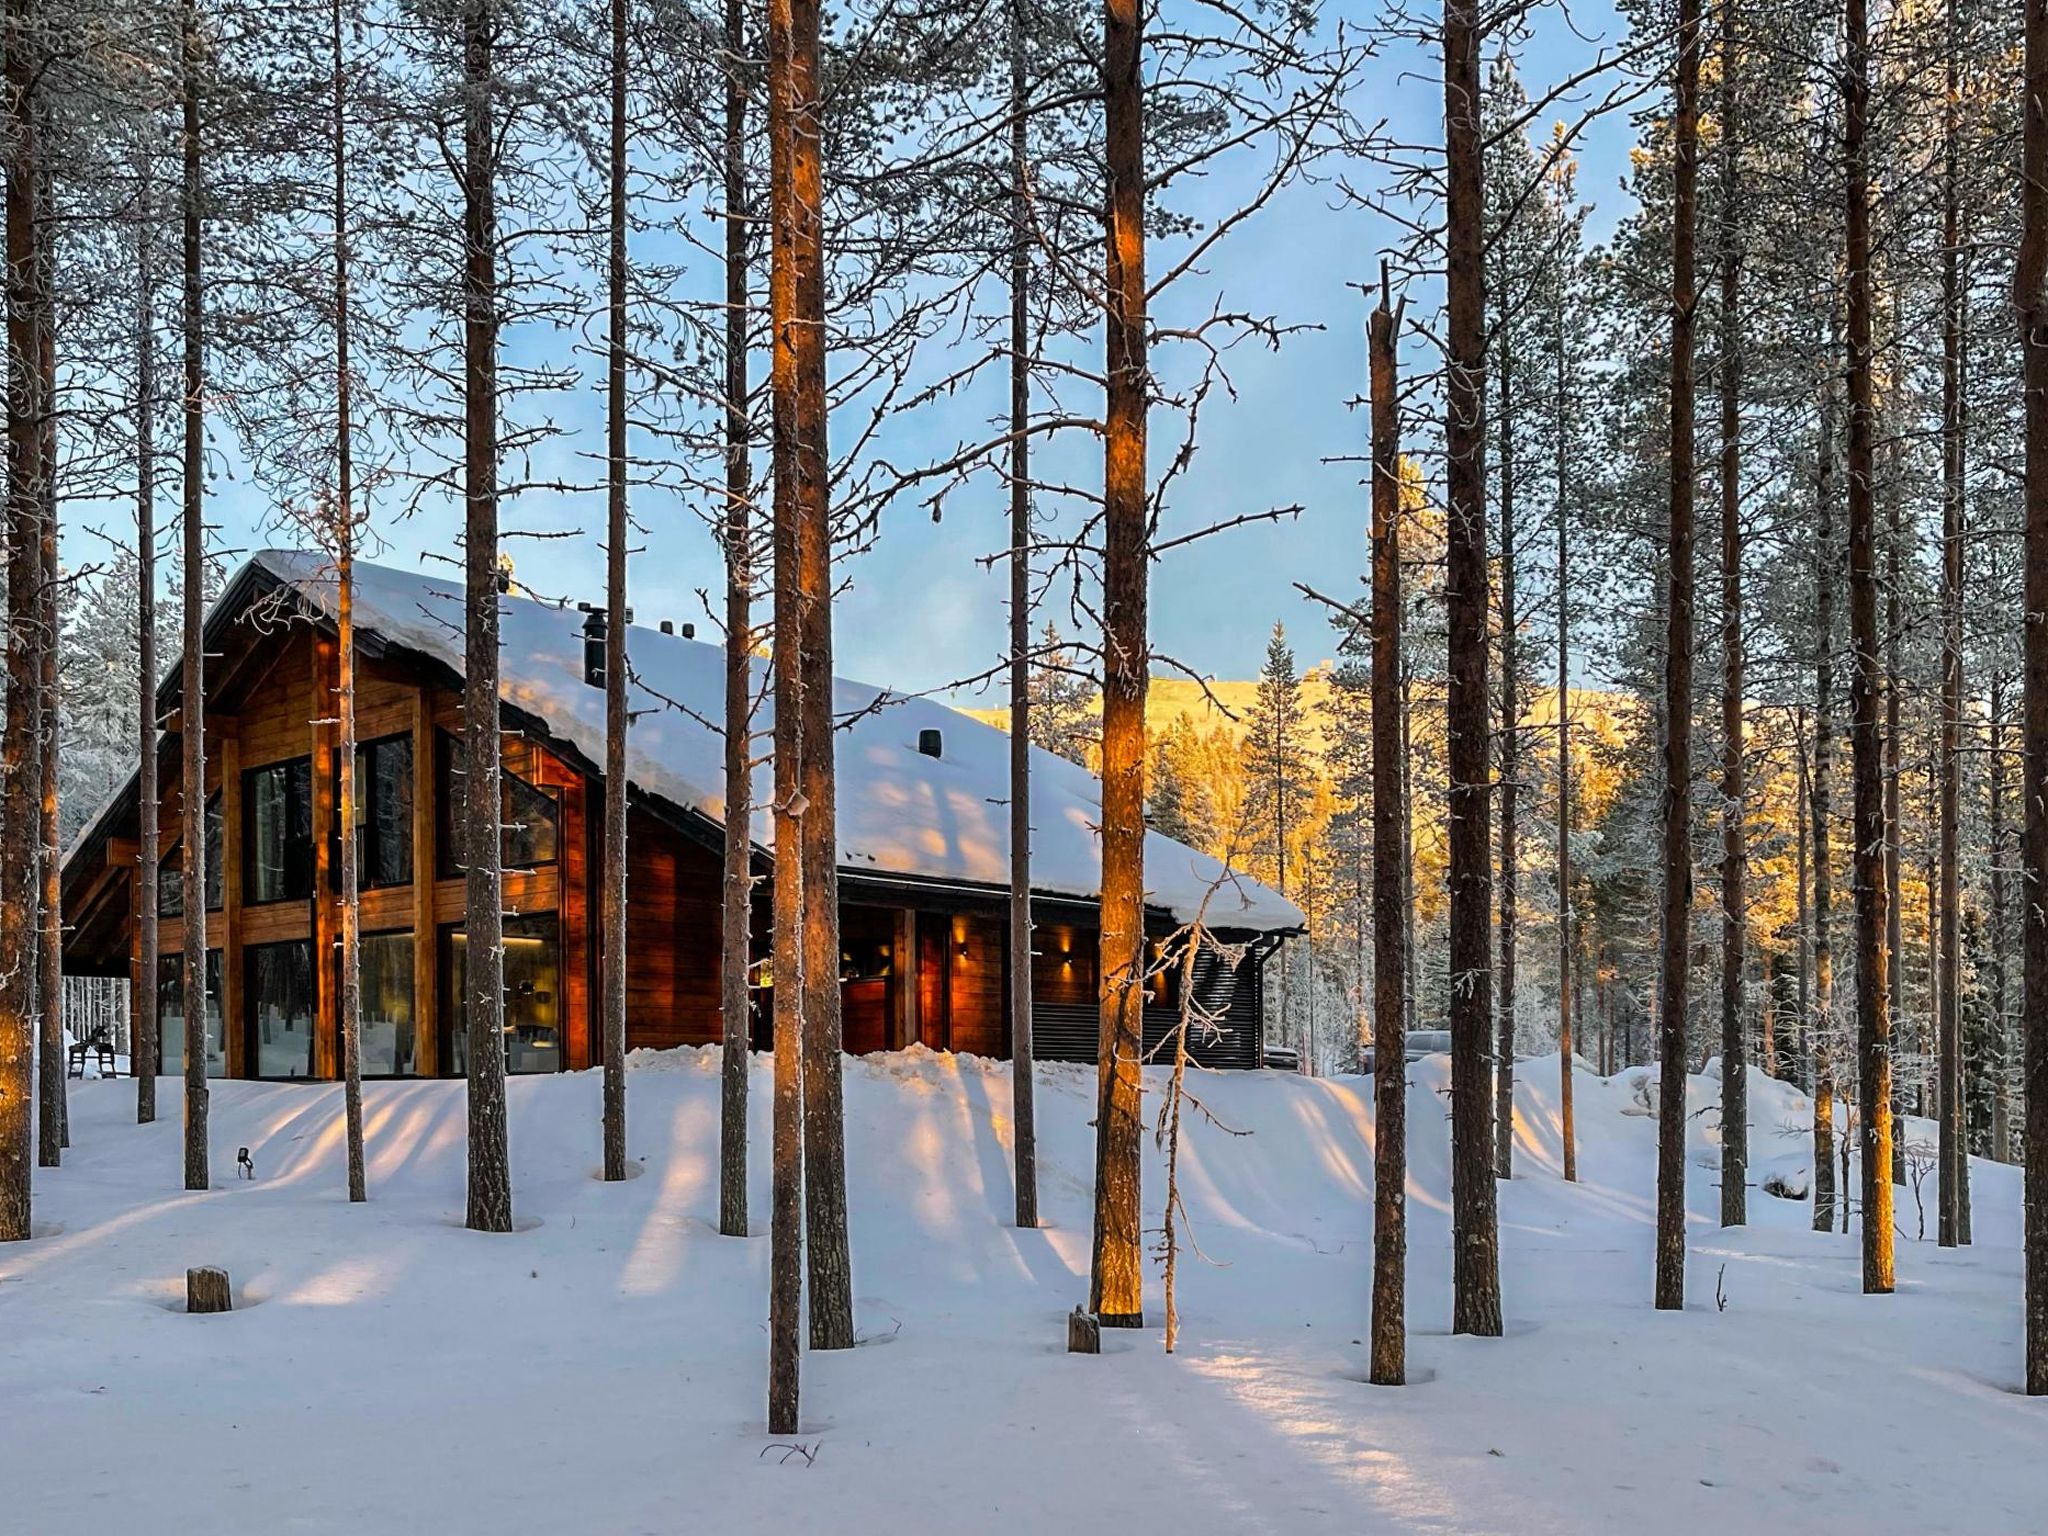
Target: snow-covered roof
(901,812)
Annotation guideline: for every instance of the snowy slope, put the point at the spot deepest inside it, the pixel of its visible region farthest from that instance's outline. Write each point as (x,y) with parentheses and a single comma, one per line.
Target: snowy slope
(602,1371)
(900,812)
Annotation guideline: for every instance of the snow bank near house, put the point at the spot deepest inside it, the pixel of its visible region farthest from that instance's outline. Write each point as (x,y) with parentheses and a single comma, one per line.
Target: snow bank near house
(602,1371)
(900,812)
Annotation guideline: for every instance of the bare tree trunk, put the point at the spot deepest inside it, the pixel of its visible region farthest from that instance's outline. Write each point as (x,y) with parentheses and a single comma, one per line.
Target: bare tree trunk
(345,642)
(18,808)
(1734,832)
(1475,1254)
(1894,778)
(1954,1154)
(1116,1277)
(490,1176)
(1873,960)
(1022,1110)
(1823,810)
(1567,1129)
(2001,1027)
(617,618)
(1510,776)
(1675,930)
(2030,293)
(1408,946)
(736,926)
(1389,908)
(142,1035)
(1801,994)
(54,1123)
(192,790)
(830,1268)
(786,1221)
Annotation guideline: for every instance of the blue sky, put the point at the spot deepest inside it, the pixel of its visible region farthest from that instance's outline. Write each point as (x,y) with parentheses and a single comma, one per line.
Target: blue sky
(919,610)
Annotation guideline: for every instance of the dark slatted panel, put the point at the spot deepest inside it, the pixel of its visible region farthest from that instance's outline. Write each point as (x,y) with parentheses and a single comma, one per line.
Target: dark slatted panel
(1068,1032)
(1064,1031)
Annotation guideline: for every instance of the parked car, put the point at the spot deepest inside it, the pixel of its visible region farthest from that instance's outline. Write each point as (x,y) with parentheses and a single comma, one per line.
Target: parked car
(1419,1043)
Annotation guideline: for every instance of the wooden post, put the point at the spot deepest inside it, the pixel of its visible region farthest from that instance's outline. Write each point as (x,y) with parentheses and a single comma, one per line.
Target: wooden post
(234,1038)
(1084,1333)
(326,1013)
(426,997)
(207,1290)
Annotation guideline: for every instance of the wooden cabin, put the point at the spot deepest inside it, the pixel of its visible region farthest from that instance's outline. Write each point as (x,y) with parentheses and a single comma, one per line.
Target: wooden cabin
(923,869)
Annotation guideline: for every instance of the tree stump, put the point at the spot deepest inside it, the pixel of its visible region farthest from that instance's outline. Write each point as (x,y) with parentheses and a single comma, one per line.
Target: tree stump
(207,1290)
(1084,1333)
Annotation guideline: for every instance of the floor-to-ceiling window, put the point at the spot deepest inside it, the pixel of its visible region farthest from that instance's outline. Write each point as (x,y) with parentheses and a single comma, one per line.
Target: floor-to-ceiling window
(389,1045)
(277,832)
(278,998)
(170,887)
(383,815)
(530,817)
(170,1016)
(533,995)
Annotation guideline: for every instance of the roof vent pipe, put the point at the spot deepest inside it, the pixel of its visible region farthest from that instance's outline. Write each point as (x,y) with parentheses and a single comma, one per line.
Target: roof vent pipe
(930,742)
(593,644)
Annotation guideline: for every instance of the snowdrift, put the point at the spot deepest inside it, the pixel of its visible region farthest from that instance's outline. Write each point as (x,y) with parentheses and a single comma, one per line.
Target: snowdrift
(602,1370)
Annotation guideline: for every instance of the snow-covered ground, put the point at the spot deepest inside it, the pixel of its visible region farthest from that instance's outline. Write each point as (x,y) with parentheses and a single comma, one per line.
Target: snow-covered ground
(602,1370)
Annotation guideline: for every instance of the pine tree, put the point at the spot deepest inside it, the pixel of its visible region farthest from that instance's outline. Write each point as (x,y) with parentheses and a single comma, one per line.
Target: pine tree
(1061,696)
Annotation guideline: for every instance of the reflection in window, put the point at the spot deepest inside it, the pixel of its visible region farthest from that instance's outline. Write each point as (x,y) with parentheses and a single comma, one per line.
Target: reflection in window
(170,1016)
(170,870)
(529,816)
(383,814)
(533,995)
(277,832)
(387,1013)
(280,1006)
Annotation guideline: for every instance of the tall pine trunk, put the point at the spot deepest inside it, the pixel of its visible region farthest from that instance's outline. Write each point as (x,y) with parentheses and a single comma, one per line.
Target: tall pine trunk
(192,790)
(1475,1258)
(1821,802)
(2001,1026)
(791,953)
(1022,1110)
(736,945)
(490,1174)
(1116,1274)
(1389,922)
(345,640)
(18,810)
(53,1121)
(1567,1128)
(1954,1153)
(1675,928)
(142,1031)
(1510,777)
(1734,852)
(2030,294)
(1873,958)
(616,621)
(830,1269)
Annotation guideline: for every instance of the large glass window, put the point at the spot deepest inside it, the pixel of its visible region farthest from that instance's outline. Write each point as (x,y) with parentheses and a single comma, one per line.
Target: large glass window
(277,832)
(533,995)
(529,816)
(279,1000)
(170,1016)
(383,815)
(170,869)
(388,1043)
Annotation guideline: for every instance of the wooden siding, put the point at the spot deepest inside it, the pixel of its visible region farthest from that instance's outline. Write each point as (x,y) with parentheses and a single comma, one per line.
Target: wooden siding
(672,936)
